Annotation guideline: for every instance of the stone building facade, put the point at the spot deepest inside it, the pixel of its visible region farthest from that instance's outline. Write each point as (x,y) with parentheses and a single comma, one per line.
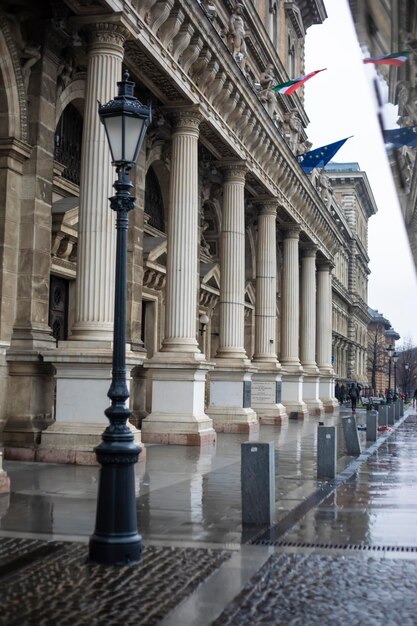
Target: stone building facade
(385,26)
(381,335)
(231,245)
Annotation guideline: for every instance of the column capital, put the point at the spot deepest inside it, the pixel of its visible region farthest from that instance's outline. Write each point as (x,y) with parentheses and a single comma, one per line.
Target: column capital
(103,34)
(233,170)
(267,205)
(184,118)
(291,231)
(309,250)
(325,265)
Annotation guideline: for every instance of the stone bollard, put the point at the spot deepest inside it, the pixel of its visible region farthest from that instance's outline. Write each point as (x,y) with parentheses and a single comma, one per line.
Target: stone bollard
(258,482)
(397,410)
(326,451)
(371,425)
(391,414)
(350,430)
(401,408)
(382,415)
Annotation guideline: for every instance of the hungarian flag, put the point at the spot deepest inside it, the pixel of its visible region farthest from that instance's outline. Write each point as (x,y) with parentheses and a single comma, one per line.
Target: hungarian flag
(289,87)
(395,58)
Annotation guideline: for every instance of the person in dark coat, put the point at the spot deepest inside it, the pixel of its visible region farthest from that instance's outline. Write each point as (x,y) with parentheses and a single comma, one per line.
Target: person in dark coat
(353,395)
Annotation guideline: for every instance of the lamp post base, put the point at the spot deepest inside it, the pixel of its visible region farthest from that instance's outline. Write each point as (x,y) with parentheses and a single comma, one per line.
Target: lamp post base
(115,551)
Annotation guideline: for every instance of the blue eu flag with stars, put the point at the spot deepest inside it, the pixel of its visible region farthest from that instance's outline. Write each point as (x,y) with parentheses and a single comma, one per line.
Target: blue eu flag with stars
(320,156)
(401,137)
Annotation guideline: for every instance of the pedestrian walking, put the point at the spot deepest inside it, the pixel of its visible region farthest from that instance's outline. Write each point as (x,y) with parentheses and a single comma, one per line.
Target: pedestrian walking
(353,395)
(415,399)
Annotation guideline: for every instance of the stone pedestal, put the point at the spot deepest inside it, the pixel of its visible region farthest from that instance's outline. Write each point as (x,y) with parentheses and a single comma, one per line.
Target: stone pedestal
(266,397)
(29,404)
(311,394)
(178,389)
(83,377)
(292,395)
(231,399)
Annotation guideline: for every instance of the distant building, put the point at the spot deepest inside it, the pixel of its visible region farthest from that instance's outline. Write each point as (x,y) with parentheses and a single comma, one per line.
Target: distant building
(380,336)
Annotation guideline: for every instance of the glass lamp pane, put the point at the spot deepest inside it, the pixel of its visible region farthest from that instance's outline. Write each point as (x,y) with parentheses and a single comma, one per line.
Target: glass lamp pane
(114,130)
(133,130)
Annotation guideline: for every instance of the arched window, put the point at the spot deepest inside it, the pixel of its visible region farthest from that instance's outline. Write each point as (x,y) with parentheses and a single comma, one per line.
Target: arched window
(68,138)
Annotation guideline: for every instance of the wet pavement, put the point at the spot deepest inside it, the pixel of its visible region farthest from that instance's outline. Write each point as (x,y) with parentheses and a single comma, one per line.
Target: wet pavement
(345,551)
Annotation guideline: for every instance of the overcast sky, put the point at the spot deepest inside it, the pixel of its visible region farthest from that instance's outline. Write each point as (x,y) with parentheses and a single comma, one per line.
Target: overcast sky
(341,102)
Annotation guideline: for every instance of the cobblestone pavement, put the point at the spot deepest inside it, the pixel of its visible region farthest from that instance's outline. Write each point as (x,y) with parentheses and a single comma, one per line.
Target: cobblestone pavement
(327,590)
(44,584)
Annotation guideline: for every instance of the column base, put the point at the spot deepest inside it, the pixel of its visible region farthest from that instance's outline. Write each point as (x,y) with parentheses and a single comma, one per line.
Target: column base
(28,402)
(74,443)
(266,395)
(237,421)
(292,387)
(311,397)
(330,403)
(177,415)
(230,398)
(83,377)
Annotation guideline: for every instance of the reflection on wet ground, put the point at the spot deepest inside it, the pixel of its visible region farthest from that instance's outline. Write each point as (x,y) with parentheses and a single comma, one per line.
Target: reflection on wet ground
(377,506)
(193,495)
(184,493)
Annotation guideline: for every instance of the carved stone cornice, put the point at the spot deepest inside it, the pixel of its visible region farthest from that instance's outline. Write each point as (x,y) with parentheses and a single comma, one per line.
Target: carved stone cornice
(13,153)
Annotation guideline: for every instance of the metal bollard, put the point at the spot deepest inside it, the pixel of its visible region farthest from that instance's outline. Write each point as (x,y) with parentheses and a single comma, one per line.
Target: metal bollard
(258,482)
(382,415)
(326,451)
(350,430)
(371,425)
(391,414)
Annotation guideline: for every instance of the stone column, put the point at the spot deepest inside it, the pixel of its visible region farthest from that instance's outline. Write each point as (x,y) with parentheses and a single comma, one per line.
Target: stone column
(290,325)
(83,364)
(96,231)
(232,262)
(324,335)
(30,384)
(182,260)
(308,331)
(231,381)
(13,155)
(178,372)
(266,382)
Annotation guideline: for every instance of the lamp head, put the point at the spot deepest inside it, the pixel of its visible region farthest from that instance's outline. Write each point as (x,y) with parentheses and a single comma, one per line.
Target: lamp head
(125,120)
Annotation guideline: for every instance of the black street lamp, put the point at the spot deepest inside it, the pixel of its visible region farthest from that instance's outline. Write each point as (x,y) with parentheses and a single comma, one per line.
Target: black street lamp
(116,540)
(395,359)
(406,390)
(390,351)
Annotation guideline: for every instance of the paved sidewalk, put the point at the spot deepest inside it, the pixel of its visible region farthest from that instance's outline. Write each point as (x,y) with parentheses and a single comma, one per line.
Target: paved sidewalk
(195,569)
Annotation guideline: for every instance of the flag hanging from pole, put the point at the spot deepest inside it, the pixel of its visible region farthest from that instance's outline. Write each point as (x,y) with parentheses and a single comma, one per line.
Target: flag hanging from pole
(401,137)
(320,156)
(395,58)
(290,86)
